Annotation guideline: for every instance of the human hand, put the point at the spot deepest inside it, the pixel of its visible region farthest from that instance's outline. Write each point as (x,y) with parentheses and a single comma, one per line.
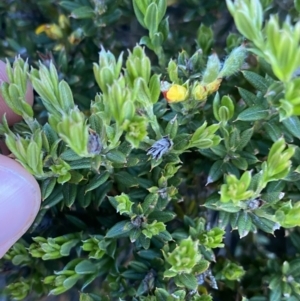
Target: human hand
(20,195)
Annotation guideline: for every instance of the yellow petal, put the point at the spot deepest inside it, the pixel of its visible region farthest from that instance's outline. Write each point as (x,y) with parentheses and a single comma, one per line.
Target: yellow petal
(54,32)
(41,29)
(176,93)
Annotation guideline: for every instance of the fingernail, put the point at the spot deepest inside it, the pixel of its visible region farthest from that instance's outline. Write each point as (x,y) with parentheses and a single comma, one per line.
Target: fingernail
(20,199)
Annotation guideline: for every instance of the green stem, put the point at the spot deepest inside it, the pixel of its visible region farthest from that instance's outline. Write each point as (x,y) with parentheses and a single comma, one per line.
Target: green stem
(161,57)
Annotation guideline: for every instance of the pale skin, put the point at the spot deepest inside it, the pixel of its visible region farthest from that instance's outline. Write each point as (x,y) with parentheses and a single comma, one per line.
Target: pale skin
(20,195)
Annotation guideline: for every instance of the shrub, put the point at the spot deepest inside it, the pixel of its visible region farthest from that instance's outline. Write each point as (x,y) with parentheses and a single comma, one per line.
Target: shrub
(148,158)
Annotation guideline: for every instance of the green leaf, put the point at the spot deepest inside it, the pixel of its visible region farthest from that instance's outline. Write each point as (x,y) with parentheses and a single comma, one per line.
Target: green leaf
(66,96)
(141,5)
(47,187)
(120,229)
(134,234)
(126,179)
(273,130)
(130,274)
(149,203)
(244,224)
(215,172)
(201,267)
(249,98)
(151,19)
(181,141)
(76,222)
(245,137)
(276,293)
(297,5)
(154,87)
(69,193)
(116,156)
(69,155)
(85,297)
(254,113)
(157,39)
(139,12)
(272,197)
(295,267)
(54,198)
(257,81)
(219,150)
(69,5)
(292,125)
(58,290)
(96,181)
(186,280)
(264,224)
(161,8)
(161,216)
(67,246)
(85,267)
(138,266)
(146,41)
(223,220)
(144,241)
(149,254)
(164,27)
(240,163)
(83,12)
(84,163)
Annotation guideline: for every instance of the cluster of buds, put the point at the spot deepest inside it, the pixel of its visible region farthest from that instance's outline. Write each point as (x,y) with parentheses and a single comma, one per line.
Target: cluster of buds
(232,271)
(18,290)
(65,279)
(288,214)
(278,163)
(93,246)
(236,189)
(201,91)
(62,281)
(53,248)
(212,238)
(18,254)
(211,79)
(183,258)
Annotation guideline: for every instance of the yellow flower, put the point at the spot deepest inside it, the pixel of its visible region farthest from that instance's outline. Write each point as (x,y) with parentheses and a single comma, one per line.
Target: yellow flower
(176,93)
(200,92)
(53,31)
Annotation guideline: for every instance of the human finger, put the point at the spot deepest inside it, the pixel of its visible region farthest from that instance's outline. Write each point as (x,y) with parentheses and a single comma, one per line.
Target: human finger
(20,200)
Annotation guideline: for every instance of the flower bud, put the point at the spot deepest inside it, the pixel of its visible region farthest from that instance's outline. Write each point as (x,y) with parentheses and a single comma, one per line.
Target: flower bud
(199,92)
(63,21)
(213,86)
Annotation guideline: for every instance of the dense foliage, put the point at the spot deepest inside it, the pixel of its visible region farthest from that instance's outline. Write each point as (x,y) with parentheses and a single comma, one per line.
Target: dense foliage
(165,140)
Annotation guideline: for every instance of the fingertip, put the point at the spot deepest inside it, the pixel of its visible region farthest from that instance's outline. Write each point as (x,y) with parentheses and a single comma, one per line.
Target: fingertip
(19,202)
